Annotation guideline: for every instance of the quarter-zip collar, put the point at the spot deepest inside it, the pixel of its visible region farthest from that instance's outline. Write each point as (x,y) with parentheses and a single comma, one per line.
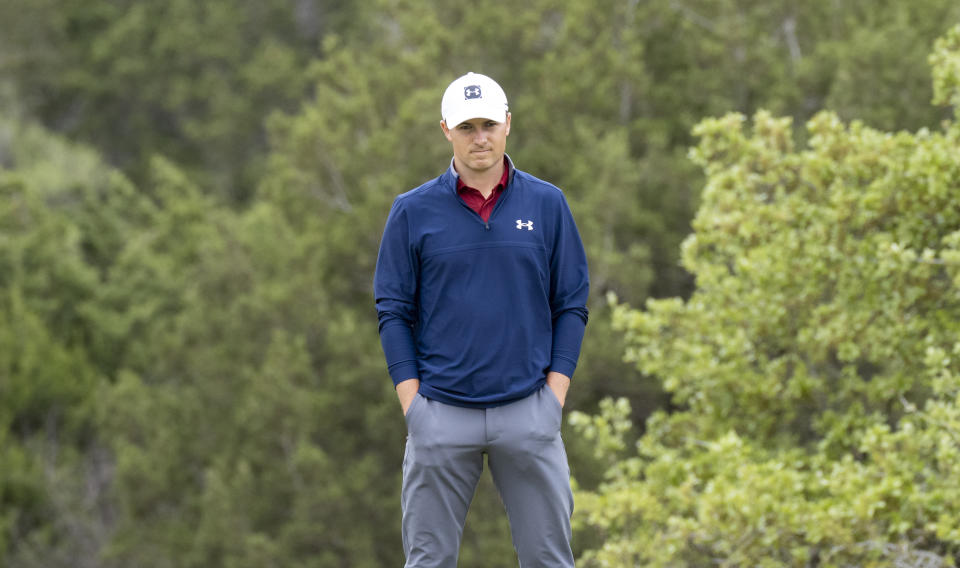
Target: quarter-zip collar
(449,177)
(449,182)
(484,205)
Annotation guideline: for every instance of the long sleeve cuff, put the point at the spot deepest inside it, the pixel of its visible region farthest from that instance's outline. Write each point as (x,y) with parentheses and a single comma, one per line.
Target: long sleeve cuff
(564,366)
(568,331)
(396,338)
(403,371)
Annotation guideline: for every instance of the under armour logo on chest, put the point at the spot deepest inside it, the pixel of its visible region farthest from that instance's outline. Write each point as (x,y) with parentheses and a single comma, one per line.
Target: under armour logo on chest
(528,225)
(471,92)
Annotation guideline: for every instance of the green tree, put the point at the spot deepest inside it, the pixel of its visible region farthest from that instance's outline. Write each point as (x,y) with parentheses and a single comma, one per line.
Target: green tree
(192,81)
(63,217)
(267,458)
(815,365)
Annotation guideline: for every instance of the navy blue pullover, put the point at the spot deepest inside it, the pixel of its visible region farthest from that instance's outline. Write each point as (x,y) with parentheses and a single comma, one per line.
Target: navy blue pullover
(480,311)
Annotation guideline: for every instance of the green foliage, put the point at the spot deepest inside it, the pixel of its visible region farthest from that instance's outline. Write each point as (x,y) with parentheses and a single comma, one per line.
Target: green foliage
(190,80)
(945,60)
(257,365)
(189,370)
(815,365)
(54,247)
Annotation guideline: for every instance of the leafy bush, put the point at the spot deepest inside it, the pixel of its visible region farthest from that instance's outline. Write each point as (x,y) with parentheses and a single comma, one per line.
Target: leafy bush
(817,365)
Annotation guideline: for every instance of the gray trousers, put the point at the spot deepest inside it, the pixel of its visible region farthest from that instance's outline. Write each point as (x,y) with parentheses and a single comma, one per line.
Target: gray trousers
(443,462)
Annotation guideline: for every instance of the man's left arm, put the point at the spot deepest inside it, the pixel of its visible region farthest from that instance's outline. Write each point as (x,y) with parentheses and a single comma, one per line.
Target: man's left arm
(558,383)
(569,289)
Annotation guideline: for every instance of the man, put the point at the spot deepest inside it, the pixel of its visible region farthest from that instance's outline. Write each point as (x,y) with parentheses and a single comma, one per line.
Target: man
(481,290)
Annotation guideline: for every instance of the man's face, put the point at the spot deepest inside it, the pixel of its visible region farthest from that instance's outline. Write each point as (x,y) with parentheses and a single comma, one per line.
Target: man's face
(478,143)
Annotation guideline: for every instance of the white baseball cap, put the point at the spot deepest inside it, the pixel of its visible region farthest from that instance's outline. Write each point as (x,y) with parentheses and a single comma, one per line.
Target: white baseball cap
(473,96)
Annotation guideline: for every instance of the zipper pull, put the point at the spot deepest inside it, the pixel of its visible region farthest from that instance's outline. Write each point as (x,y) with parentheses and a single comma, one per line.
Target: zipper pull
(487,226)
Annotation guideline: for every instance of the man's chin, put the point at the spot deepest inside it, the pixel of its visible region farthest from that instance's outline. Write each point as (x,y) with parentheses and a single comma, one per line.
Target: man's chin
(481,164)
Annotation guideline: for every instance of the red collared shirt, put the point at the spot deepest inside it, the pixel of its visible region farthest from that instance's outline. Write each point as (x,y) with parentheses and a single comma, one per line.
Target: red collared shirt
(474,199)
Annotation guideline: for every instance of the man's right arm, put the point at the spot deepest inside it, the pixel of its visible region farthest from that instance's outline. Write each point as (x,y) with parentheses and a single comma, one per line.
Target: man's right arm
(406,391)
(395,285)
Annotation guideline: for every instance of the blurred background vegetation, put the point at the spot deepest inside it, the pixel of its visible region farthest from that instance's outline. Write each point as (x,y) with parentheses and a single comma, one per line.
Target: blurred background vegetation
(191,200)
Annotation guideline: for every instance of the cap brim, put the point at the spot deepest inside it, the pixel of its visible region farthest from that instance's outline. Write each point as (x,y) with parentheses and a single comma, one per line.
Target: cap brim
(455,118)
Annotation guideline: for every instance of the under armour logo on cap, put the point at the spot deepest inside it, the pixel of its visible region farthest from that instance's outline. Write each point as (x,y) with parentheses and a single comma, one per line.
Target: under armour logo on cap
(471,92)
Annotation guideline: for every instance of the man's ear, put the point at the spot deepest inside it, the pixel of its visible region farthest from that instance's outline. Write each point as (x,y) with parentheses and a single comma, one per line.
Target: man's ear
(508,125)
(446,131)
